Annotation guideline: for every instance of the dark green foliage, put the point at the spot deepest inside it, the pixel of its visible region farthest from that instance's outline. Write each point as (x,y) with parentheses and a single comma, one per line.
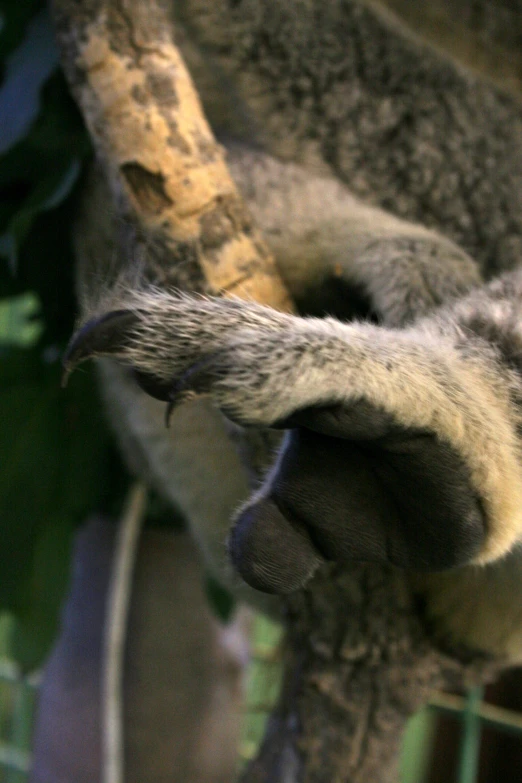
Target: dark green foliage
(221,601)
(58,464)
(54,472)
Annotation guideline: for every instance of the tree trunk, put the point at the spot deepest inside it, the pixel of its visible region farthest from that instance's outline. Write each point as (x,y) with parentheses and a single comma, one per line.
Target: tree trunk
(358,665)
(358,661)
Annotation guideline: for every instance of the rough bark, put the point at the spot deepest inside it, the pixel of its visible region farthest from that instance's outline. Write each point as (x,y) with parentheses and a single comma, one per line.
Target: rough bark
(166,170)
(358,661)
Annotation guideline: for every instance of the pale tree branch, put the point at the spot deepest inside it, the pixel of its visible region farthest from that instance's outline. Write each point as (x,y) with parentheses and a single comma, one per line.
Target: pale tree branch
(118,605)
(164,165)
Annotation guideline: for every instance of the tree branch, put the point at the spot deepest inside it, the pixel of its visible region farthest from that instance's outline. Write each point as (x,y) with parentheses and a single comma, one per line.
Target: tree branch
(358,665)
(165,168)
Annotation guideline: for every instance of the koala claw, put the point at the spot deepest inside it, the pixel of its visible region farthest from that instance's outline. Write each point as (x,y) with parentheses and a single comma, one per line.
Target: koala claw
(101,336)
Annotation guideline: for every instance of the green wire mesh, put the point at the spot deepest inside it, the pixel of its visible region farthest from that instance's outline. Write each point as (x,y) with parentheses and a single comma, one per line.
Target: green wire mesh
(17,701)
(470,743)
(18,695)
(17,707)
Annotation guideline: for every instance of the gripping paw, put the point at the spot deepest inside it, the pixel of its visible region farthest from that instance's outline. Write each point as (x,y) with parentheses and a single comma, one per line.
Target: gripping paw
(360,488)
(400,446)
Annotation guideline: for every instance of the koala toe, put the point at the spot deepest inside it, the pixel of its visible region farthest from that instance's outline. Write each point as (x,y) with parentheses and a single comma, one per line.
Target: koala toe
(271,553)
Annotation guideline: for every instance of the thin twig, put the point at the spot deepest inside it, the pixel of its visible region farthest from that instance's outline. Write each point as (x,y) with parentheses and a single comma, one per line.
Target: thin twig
(118,602)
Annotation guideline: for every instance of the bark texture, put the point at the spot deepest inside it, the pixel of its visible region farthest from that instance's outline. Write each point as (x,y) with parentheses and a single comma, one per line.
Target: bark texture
(167,172)
(358,665)
(358,661)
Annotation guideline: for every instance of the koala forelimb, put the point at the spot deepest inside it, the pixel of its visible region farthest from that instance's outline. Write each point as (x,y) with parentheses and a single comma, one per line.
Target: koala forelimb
(438,376)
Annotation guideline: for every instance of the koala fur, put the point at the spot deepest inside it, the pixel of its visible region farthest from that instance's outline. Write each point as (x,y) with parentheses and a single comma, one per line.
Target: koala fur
(380,167)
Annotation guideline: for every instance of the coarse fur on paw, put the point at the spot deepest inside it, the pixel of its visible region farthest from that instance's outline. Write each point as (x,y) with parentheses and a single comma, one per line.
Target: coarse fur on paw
(401,445)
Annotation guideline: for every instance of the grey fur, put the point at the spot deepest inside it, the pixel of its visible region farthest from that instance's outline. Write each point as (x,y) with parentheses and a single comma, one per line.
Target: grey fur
(315,223)
(343,90)
(344,87)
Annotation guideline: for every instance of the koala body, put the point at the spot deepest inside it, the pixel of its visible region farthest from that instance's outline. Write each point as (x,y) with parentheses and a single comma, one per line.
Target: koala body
(388,181)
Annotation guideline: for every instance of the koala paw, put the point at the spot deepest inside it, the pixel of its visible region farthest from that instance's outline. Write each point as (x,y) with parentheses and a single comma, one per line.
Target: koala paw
(399,448)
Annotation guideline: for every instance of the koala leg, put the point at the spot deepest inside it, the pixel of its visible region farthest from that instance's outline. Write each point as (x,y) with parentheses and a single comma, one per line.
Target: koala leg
(324,237)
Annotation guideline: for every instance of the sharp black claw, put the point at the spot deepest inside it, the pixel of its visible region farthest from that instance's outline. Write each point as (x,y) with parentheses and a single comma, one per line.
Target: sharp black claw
(168,412)
(176,400)
(100,336)
(195,381)
(154,387)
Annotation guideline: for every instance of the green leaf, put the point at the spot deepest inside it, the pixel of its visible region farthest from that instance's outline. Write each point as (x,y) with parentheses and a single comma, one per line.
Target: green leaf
(263,682)
(14,17)
(55,451)
(18,322)
(48,193)
(39,171)
(8,250)
(221,601)
(58,462)
(33,631)
(45,267)
(28,67)
(59,127)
